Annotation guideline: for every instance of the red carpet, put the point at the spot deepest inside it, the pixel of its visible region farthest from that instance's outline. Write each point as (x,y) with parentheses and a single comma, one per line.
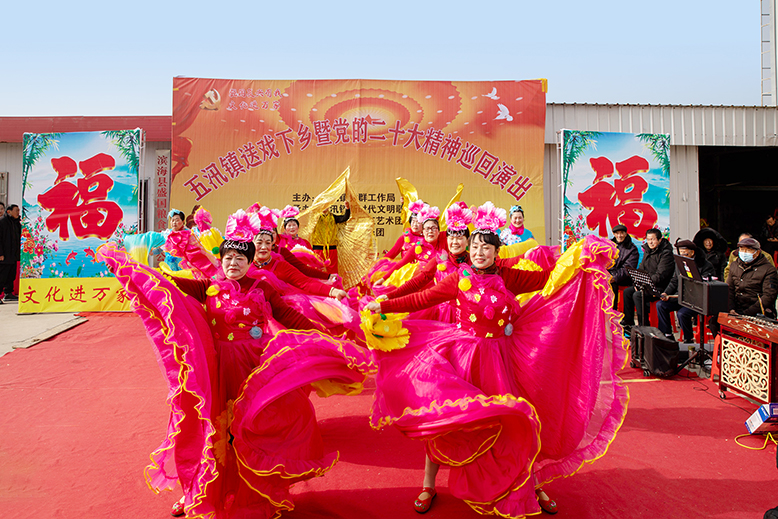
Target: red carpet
(82,412)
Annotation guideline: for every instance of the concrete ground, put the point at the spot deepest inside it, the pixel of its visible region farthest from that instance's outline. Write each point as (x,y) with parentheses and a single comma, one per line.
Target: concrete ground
(25,330)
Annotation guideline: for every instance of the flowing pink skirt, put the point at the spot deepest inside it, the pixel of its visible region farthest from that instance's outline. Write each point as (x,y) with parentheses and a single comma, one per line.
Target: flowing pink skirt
(550,389)
(241,428)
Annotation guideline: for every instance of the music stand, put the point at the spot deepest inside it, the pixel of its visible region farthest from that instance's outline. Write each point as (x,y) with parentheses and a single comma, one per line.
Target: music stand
(642,281)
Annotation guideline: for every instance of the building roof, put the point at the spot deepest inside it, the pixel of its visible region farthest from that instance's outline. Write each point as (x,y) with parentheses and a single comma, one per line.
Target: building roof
(158,127)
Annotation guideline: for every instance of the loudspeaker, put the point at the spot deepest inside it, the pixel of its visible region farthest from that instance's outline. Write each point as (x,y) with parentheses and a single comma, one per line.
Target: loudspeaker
(657,354)
(705,297)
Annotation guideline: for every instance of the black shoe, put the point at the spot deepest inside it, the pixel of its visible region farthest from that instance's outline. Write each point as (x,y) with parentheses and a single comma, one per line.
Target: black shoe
(10,297)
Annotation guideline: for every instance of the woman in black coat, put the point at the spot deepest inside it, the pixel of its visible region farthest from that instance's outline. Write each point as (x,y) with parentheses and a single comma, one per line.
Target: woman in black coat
(714,248)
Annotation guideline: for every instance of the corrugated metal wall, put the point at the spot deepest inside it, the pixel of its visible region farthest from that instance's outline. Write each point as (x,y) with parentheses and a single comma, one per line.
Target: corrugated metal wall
(687,125)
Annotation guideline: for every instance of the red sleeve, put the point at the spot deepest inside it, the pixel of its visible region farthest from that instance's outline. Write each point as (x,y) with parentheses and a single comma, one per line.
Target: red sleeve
(396,248)
(301,266)
(192,287)
(408,257)
(282,312)
(520,281)
(291,275)
(508,262)
(422,278)
(444,291)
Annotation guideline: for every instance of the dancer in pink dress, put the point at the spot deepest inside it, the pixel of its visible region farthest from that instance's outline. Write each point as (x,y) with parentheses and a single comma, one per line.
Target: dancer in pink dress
(478,391)
(181,243)
(239,363)
(289,238)
(424,251)
(458,216)
(268,261)
(407,240)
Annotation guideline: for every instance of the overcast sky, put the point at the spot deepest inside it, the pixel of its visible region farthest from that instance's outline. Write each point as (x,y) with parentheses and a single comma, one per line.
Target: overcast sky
(119,58)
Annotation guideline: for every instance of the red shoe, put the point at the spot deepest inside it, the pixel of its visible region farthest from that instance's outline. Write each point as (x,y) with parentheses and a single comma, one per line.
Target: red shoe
(548,505)
(178,509)
(422,505)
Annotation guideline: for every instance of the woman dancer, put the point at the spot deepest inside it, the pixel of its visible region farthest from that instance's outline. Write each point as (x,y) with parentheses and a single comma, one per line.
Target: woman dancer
(289,239)
(516,232)
(492,379)
(407,240)
(242,428)
(267,261)
(182,243)
(418,256)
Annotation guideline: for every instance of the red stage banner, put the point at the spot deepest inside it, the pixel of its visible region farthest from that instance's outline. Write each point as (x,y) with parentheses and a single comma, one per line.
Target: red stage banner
(237,142)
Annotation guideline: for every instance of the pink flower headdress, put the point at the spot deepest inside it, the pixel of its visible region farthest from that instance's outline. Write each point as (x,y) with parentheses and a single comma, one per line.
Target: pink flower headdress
(290,213)
(428,213)
(254,208)
(268,220)
(458,216)
(240,230)
(488,219)
(203,219)
(414,208)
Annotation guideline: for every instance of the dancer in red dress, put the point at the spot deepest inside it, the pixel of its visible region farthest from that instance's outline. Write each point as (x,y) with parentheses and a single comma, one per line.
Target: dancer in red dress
(240,363)
(477,391)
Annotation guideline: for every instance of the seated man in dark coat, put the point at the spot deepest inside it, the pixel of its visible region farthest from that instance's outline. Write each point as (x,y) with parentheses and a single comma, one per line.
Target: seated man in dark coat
(670,304)
(628,257)
(753,281)
(658,262)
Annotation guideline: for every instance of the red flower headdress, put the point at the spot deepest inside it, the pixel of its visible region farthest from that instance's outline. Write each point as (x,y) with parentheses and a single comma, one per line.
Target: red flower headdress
(428,213)
(414,208)
(458,216)
(240,230)
(488,219)
(203,219)
(290,213)
(268,219)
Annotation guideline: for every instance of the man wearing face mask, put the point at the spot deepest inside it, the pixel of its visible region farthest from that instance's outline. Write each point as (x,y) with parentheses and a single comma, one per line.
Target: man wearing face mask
(753,281)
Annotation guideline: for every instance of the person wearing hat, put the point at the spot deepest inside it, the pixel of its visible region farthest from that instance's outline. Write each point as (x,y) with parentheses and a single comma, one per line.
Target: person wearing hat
(734,254)
(628,257)
(753,281)
(669,298)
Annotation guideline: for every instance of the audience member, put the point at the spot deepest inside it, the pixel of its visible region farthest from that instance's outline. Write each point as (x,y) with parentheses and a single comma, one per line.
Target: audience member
(714,247)
(769,235)
(733,256)
(659,264)
(753,281)
(10,249)
(628,257)
(669,299)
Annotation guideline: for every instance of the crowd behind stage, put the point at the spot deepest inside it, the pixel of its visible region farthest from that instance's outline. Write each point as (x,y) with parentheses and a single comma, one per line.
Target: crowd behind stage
(463,323)
(748,269)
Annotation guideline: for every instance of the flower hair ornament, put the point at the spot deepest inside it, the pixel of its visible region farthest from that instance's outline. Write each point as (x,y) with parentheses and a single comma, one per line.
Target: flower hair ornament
(268,219)
(458,216)
(414,208)
(290,213)
(203,219)
(174,212)
(488,219)
(428,213)
(240,230)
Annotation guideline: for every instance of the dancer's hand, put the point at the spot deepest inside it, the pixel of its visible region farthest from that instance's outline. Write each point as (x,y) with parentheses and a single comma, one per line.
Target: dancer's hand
(373,307)
(338,293)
